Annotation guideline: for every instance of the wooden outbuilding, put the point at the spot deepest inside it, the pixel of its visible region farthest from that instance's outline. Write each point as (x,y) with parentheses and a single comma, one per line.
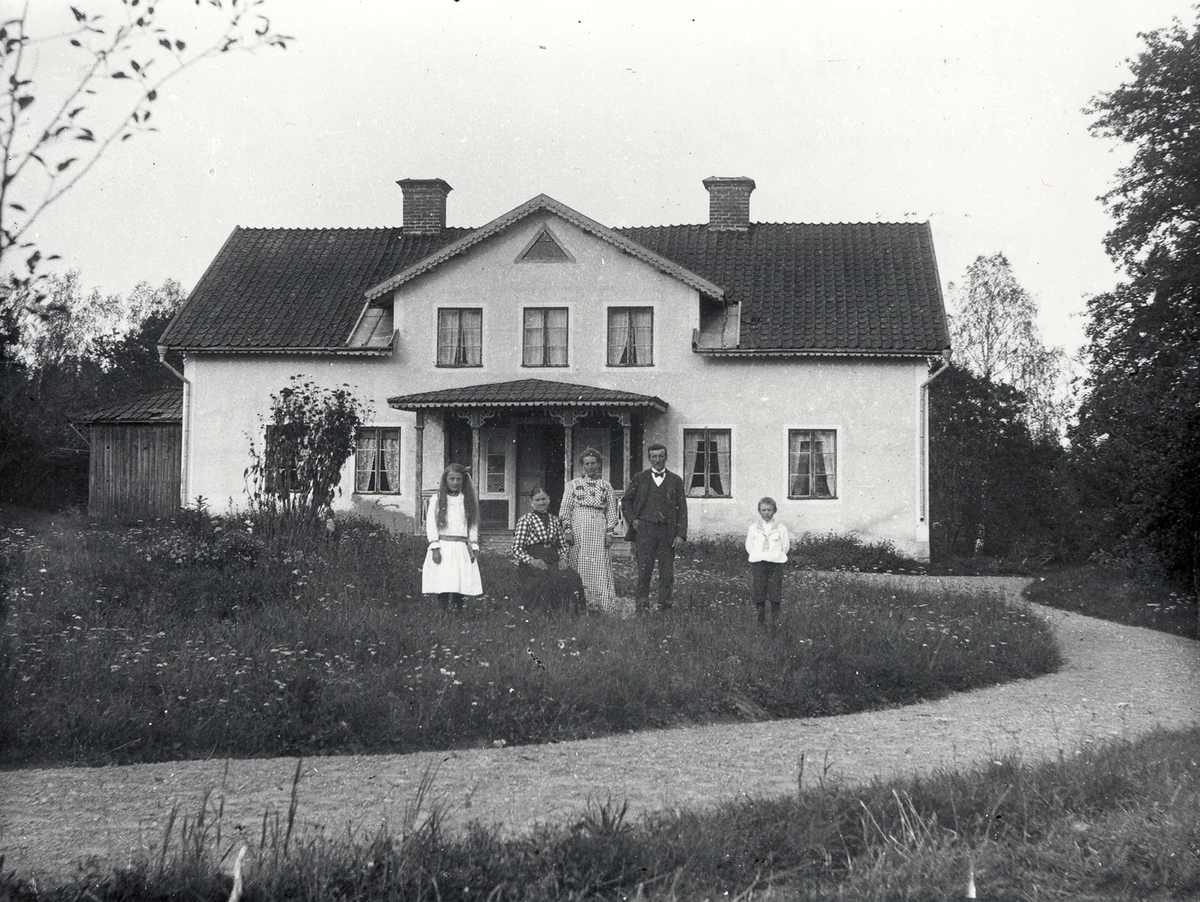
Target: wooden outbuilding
(135,456)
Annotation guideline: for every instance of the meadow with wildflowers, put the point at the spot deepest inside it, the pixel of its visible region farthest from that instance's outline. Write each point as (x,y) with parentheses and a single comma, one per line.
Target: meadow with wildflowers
(216,637)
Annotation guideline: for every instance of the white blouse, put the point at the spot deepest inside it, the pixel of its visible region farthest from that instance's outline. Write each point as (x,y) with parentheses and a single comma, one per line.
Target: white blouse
(768,541)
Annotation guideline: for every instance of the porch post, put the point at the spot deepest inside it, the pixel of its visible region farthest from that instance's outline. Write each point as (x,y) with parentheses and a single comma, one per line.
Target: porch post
(568,418)
(419,473)
(475,418)
(626,423)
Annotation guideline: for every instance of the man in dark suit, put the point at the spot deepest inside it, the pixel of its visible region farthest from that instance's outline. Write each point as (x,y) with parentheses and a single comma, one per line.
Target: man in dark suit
(655,507)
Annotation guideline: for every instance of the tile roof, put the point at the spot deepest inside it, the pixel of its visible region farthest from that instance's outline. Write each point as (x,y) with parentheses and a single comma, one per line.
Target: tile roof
(819,287)
(857,288)
(525,393)
(161,407)
(270,289)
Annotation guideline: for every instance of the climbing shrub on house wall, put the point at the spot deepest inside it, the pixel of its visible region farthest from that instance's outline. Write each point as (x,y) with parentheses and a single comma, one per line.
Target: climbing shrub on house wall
(307,439)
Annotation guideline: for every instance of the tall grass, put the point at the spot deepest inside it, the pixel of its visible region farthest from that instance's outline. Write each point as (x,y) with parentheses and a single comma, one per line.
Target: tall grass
(208,639)
(1110,592)
(1117,821)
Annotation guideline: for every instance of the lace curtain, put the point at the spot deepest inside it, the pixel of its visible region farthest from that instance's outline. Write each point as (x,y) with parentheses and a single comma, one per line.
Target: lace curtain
(460,337)
(812,458)
(630,336)
(706,465)
(377,461)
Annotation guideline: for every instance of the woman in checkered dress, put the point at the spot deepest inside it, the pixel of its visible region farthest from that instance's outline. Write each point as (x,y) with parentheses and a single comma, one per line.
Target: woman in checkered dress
(540,549)
(589,509)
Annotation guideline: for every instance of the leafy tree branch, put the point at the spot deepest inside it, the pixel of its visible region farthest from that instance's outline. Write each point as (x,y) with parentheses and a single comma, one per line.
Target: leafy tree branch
(55,127)
(62,148)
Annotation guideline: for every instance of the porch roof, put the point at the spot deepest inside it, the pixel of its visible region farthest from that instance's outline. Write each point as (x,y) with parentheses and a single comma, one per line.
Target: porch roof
(525,393)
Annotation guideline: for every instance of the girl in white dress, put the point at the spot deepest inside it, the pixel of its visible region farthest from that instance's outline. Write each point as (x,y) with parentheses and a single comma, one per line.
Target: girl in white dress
(451,567)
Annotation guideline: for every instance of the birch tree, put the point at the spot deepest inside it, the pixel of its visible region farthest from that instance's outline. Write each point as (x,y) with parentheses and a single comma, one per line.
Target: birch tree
(994,334)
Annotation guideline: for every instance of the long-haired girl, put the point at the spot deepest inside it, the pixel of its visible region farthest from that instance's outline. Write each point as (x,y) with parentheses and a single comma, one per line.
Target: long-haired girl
(451,567)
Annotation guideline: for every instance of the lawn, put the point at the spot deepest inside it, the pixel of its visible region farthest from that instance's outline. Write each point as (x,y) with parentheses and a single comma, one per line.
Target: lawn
(1110,593)
(219,637)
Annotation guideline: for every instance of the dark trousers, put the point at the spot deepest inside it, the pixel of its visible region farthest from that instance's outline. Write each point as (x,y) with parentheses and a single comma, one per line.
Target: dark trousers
(654,545)
(767,585)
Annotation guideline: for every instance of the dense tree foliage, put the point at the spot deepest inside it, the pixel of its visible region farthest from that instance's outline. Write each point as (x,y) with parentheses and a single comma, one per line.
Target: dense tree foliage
(95,351)
(995,488)
(79,80)
(1138,436)
(309,436)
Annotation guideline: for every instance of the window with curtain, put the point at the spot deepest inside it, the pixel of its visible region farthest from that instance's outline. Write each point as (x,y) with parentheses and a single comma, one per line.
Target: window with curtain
(631,336)
(460,336)
(812,463)
(706,457)
(377,461)
(545,342)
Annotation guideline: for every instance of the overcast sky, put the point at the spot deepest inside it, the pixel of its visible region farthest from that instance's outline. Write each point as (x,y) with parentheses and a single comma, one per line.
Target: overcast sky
(965,114)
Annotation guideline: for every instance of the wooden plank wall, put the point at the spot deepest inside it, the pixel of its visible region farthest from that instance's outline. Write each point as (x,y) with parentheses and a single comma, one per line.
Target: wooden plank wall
(134,470)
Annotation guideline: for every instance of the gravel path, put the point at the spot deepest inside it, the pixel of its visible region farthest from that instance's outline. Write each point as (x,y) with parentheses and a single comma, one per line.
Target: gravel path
(1117,681)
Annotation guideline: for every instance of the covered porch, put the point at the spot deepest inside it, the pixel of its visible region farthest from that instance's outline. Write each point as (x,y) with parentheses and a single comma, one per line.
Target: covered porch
(517,436)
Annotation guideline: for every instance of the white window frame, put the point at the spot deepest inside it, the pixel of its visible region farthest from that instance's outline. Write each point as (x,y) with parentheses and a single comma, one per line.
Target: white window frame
(437,337)
(839,473)
(654,355)
(686,472)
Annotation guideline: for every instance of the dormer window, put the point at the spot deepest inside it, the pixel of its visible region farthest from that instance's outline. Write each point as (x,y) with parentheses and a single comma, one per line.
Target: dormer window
(374,329)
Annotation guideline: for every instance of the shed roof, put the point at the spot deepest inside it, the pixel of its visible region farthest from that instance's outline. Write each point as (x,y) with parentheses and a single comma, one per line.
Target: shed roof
(164,406)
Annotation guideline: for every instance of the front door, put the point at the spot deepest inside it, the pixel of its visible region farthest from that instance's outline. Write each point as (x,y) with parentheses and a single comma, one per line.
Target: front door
(497,463)
(539,463)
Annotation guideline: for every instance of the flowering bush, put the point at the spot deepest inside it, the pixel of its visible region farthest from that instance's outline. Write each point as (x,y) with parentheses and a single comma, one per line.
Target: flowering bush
(221,548)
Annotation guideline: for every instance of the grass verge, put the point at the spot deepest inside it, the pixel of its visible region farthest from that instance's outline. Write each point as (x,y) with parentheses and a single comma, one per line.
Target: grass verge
(1117,821)
(1108,592)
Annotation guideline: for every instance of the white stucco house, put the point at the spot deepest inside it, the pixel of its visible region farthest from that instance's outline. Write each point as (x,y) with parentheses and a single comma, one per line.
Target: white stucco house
(779,359)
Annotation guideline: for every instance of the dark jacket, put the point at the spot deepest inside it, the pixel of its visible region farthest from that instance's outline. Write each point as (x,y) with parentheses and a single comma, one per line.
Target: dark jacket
(638,493)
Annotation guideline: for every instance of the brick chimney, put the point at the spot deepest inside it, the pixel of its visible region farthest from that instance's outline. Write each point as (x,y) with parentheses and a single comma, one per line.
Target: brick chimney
(729,203)
(424,204)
